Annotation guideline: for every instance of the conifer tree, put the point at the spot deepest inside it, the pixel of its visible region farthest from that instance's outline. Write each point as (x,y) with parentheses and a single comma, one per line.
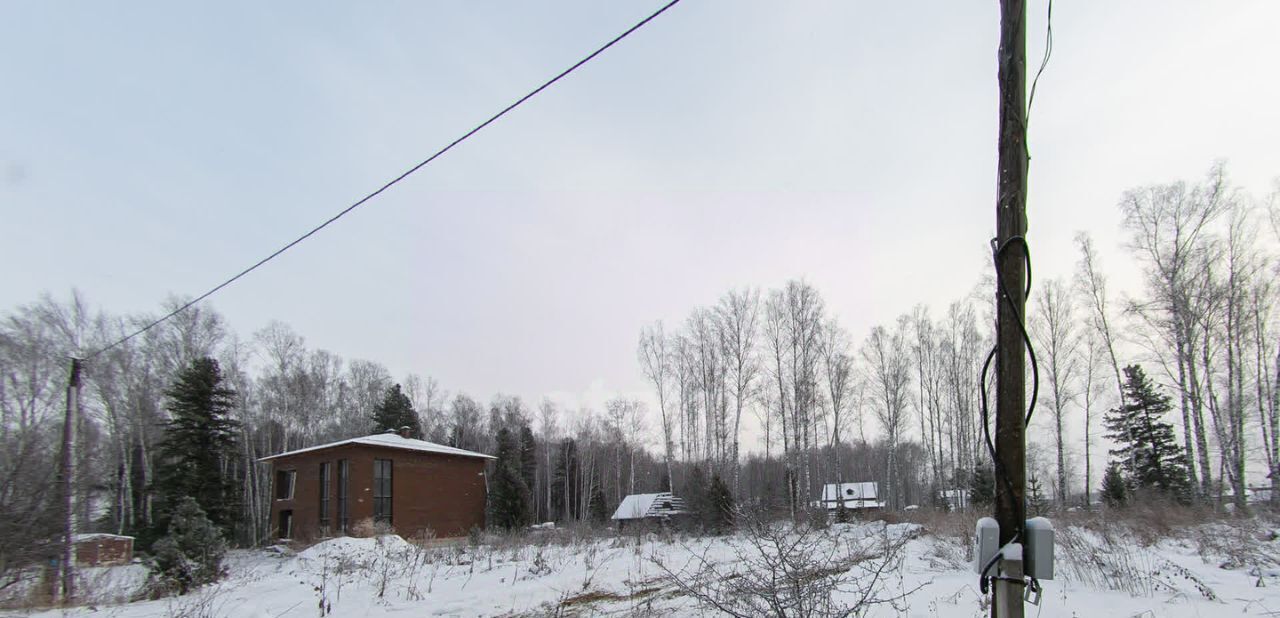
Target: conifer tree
(982,486)
(1037,503)
(198,440)
(1147,450)
(719,505)
(394,412)
(528,458)
(599,511)
(190,554)
(508,494)
(695,495)
(1114,493)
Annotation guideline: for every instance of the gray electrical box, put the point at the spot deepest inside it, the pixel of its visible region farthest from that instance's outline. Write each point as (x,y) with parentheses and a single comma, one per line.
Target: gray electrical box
(986,543)
(1038,549)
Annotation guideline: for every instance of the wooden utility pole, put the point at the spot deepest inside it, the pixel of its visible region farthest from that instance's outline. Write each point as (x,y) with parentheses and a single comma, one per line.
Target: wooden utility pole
(1011,228)
(64,588)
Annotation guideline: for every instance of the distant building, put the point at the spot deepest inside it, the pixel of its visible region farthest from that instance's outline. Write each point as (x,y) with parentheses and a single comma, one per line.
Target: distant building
(657,508)
(93,550)
(854,496)
(955,499)
(409,485)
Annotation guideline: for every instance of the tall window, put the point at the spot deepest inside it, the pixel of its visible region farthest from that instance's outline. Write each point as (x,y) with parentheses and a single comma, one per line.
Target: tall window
(284,484)
(344,473)
(325,473)
(382,491)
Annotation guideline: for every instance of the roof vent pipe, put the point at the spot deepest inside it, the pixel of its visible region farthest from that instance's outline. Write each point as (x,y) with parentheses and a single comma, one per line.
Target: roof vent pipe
(404,432)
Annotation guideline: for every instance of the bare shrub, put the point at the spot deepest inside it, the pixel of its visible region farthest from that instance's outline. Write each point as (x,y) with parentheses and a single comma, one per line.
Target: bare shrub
(796,570)
(206,602)
(367,528)
(1238,544)
(954,532)
(1114,556)
(26,587)
(1103,558)
(1153,518)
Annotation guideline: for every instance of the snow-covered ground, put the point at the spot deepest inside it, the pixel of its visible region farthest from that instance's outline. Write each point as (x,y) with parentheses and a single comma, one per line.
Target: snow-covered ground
(1207,570)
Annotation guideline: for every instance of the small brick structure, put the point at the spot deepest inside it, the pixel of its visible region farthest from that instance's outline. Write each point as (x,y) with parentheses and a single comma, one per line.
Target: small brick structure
(102,549)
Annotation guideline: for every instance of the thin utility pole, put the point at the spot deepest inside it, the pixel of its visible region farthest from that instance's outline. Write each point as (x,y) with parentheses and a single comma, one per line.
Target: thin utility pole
(1011,227)
(64,588)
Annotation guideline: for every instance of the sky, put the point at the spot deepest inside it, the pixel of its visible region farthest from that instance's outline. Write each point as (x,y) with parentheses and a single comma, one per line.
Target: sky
(150,149)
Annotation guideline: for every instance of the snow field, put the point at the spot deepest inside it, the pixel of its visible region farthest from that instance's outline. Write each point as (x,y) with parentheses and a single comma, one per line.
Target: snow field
(1102,570)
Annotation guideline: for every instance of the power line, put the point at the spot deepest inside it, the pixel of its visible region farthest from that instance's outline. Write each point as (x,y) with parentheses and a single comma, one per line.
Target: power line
(389,184)
(1044,62)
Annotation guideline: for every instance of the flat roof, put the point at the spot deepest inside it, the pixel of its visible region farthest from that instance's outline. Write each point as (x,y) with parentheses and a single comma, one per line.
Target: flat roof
(388,440)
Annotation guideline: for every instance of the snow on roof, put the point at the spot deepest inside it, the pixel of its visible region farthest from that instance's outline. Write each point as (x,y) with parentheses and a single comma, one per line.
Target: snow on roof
(848,491)
(98,536)
(389,440)
(640,506)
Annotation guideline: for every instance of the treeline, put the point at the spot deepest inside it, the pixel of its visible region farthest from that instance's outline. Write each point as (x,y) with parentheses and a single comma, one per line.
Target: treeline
(1203,323)
(281,395)
(898,407)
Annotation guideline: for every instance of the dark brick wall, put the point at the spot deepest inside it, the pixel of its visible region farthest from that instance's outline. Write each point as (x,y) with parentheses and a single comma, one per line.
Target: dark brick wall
(443,493)
(104,551)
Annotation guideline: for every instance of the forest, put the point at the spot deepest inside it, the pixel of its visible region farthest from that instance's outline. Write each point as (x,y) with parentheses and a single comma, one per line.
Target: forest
(900,404)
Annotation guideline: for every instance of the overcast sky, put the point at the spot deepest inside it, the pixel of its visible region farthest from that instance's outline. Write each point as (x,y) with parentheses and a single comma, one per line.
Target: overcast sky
(149,149)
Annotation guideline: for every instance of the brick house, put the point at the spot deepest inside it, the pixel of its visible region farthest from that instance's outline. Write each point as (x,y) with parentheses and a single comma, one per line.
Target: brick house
(410,485)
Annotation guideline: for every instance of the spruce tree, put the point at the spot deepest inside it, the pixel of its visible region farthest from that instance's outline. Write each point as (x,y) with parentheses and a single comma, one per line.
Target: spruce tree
(1037,503)
(1147,450)
(1114,493)
(598,509)
(190,553)
(982,486)
(508,494)
(696,497)
(198,440)
(719,505)
(528,459)
(396,411)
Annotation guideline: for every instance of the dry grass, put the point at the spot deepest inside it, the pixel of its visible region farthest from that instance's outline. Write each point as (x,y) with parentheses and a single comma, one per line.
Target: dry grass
(596,596)
(367,528)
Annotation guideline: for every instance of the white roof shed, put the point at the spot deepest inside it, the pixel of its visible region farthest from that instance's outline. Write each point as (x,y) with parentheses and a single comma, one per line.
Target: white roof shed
(852,495)
(646,506)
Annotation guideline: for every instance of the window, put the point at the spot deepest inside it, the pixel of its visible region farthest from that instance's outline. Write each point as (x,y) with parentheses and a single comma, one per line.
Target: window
(344,473)
(284,484)
(325,473)
(382,491)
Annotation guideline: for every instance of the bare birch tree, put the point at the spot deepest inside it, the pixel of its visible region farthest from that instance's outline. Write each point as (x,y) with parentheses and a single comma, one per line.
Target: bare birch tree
(1057,343)
(656,363)
(889,378)
(737,316)
(1168,226)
